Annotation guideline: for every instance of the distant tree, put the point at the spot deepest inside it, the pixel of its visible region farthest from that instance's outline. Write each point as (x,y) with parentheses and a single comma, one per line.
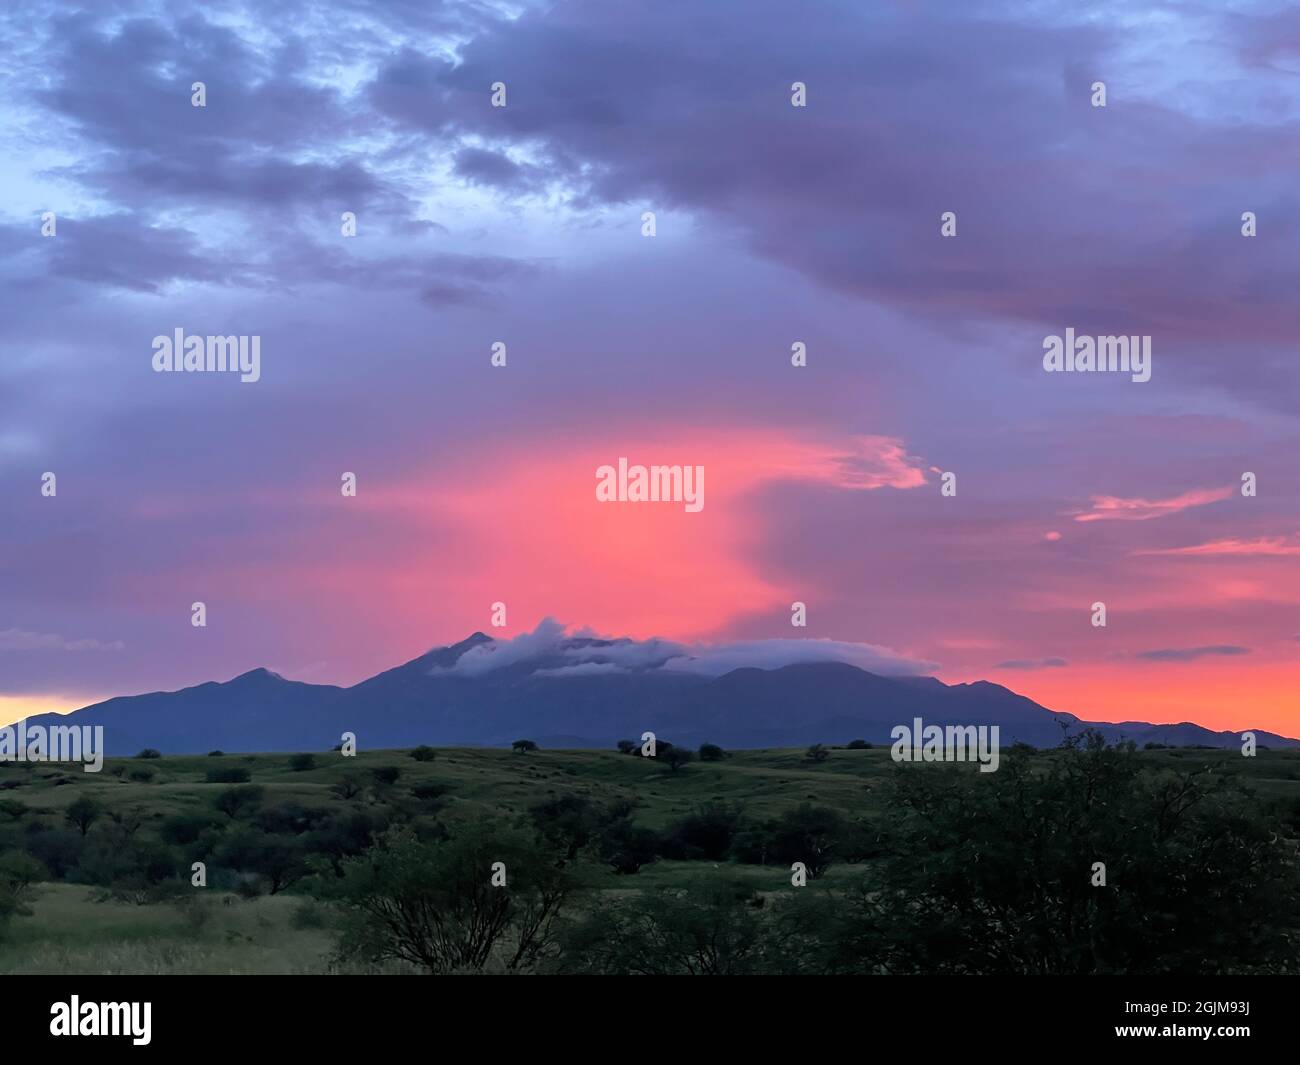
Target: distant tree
(300,763)
(236,801)
(149,752)
(814,835)
(817,753)
(19,873)
(83,812)
(626,847)
(627,747)
(386,775)
(711,752)
(523,746)
(858,745)
(347,787)
(424,753)
(706,833)
(674,757)
(216,754)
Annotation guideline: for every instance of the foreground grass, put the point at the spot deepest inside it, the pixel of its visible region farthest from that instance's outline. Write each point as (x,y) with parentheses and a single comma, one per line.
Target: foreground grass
(73,929)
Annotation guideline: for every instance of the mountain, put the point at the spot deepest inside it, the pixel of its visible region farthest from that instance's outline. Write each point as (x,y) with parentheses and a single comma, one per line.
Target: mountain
(585,692)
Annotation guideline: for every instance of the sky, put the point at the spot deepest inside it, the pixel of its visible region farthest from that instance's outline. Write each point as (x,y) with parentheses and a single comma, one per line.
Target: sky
(773,225)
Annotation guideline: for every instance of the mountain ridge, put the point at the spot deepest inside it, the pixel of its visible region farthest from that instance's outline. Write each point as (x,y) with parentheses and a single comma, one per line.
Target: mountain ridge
(587,693)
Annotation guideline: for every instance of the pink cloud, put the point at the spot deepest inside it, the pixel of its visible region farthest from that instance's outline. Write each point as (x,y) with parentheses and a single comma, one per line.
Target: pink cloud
(1117,508)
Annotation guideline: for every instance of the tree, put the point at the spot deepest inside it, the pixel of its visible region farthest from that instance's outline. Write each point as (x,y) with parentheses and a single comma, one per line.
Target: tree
(674,757)
(523,746)
(998,872)
(19,873)
(711,752)
(149,752)
(300,763)
(809,834)
(83,812)
(239,800)
(705,833)
(627,747)
(437,906)
(347,787)
(424,753)
(626,847)
(817,753)
(858,745)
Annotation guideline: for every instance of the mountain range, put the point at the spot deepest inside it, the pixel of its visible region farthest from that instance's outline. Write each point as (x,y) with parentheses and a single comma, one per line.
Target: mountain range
(585,692)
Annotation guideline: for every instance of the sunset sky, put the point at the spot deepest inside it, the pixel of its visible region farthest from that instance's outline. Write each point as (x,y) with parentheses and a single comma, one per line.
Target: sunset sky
(774,225)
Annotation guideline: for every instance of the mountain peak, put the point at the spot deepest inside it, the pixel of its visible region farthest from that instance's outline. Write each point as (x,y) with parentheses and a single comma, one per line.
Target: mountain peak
(260,673)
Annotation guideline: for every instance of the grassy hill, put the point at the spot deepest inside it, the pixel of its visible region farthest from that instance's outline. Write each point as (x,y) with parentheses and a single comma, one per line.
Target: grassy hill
(80,926)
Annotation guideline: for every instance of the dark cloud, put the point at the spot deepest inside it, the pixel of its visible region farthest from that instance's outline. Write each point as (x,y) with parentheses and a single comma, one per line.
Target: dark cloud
(1032,663)
(1190,654)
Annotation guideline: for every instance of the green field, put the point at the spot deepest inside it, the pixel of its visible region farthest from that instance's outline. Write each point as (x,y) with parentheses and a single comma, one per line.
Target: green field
(79,925)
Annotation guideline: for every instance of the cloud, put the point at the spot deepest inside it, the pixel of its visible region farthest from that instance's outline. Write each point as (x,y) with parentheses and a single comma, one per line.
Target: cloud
(1118,508)
(583,654)
(20,640)
(774,654)
(1268,546)
(1032,663)
(1189,654)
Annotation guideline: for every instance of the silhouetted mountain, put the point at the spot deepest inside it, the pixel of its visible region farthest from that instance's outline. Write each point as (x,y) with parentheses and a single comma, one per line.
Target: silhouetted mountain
(584,692)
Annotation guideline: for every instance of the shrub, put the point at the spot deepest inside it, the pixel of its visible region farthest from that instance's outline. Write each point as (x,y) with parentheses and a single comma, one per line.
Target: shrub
(858,745)
(142,774)
(300,763)
(523,746)
(711,752)
(228,774)
(386,775)
(424,753)
(149,752)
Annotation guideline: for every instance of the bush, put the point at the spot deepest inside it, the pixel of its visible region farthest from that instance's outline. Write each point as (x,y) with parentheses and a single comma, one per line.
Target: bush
(216,754)
(142,774)
(149,752)
(706,833)
(523,746)
(817,753)
(235,801)
(83,812)
(424,753)
(300,763)
(858,745)
(673,757)
(627,747)
(386,775)
(230,774)
(711,752)
(434,906)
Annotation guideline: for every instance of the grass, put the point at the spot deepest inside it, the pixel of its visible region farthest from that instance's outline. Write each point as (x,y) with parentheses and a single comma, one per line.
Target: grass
(72,931)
